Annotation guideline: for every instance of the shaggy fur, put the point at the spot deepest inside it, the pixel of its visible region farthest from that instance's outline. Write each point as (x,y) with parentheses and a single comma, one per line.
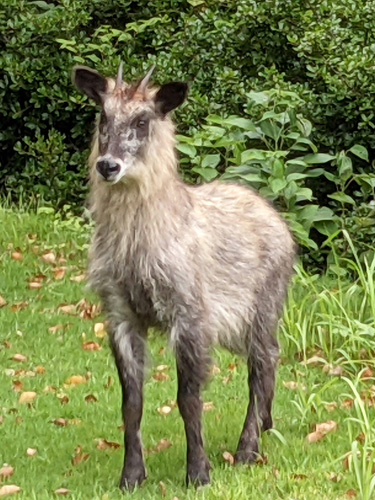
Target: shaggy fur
(209,264)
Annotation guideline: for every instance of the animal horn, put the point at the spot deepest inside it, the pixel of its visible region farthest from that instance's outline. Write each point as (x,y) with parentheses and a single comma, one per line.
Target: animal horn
(119,76)
(143,83)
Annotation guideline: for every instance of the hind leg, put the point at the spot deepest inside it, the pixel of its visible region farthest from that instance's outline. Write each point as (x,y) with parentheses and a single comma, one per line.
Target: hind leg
(262,366)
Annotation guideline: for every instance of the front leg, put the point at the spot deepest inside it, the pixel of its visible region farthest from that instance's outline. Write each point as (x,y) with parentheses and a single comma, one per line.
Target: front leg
(192,365)
(127,342)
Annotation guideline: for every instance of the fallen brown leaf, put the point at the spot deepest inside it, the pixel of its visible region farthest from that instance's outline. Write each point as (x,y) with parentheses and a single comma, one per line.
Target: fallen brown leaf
(333,371)
(321,430)
(162,445)
(165,410)
(161,377)
(75,380)
(70,309)
(6,471)
(17,386)
(49,389)
(62,491)
(49,257)
(79,278)
(368,373)
(9,489)
(103,444)
(208,406)
(215,370)
(27,397)
(228,457)
(63,398)
(351,493)
(313,361)
(88,310)
(232,367)
(331,406)
(294,386)
(91,346)
(347,403)
(7,344)
(19,306)
(61,422)
(3,302)
(17,255)
(40,370)
(31,452)
(59,273)
(163,489)
(299,477)
(79,456)
(161,368)
(109,383)
(335,478)
(20,358)
(100,331)
(35,285)
(90,398)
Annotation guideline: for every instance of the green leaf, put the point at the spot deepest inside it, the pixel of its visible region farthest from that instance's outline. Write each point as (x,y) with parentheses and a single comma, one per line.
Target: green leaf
(296,177)
(253,154)
(206,173)
(211,161)
(345,167)
(342,198)
(278,185)
(317,158)
(258,97)
(359,151)
(324,213)
(270,130)
(233,121)
(187,149)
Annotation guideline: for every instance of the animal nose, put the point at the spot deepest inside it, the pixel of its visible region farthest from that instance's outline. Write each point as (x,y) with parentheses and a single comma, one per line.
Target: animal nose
(107,168)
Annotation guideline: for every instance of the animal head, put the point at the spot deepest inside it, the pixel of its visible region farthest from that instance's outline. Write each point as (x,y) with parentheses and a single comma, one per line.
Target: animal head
(130,120)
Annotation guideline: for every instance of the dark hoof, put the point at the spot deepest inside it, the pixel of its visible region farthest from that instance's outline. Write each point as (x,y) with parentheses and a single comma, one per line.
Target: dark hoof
(246,457)
(132,479)
(198,475)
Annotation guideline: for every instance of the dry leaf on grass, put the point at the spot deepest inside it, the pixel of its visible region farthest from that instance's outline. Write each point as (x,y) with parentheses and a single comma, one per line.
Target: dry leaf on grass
(294,386)
(6,471)
(40,370)
(61,422)
(90,398)
(79,456)
(49,257)
(321,430)
(228,457)
(19,306)
(103,444)
(91,346)
(208,406)
(17,385)
(59,273)
(161,377)
(17,255)
(331,406)
(333,371)
(165,410)
(62,491)
(70,309)
(3,302)
(351,493)
(27,397)
(100,331)
(368,373)
(9,489)
(79,278)
(313,361)
(31,452)
(35,285)
(347,403)
(161,368)
(20,358)
(335,478)
(63,398)
(215,370)
(75,380)
(162,445)
(163,489)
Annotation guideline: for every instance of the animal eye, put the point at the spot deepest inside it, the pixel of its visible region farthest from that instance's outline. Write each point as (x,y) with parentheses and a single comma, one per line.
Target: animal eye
(141,123)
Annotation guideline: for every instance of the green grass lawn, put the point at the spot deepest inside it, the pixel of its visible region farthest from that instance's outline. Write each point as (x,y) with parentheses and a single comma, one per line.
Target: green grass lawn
(326,374)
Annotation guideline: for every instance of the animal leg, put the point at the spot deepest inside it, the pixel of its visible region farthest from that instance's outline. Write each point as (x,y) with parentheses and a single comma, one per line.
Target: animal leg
(128,348)
(262,373)
(192,365)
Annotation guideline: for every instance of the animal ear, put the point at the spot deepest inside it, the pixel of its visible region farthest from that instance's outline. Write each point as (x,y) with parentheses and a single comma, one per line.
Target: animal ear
(90,82)
(169,96)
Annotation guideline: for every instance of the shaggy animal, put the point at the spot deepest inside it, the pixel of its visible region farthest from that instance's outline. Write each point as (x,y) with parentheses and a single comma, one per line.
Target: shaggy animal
(209,264)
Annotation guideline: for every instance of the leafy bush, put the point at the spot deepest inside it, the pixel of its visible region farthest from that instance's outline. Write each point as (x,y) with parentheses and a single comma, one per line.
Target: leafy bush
(275,155)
